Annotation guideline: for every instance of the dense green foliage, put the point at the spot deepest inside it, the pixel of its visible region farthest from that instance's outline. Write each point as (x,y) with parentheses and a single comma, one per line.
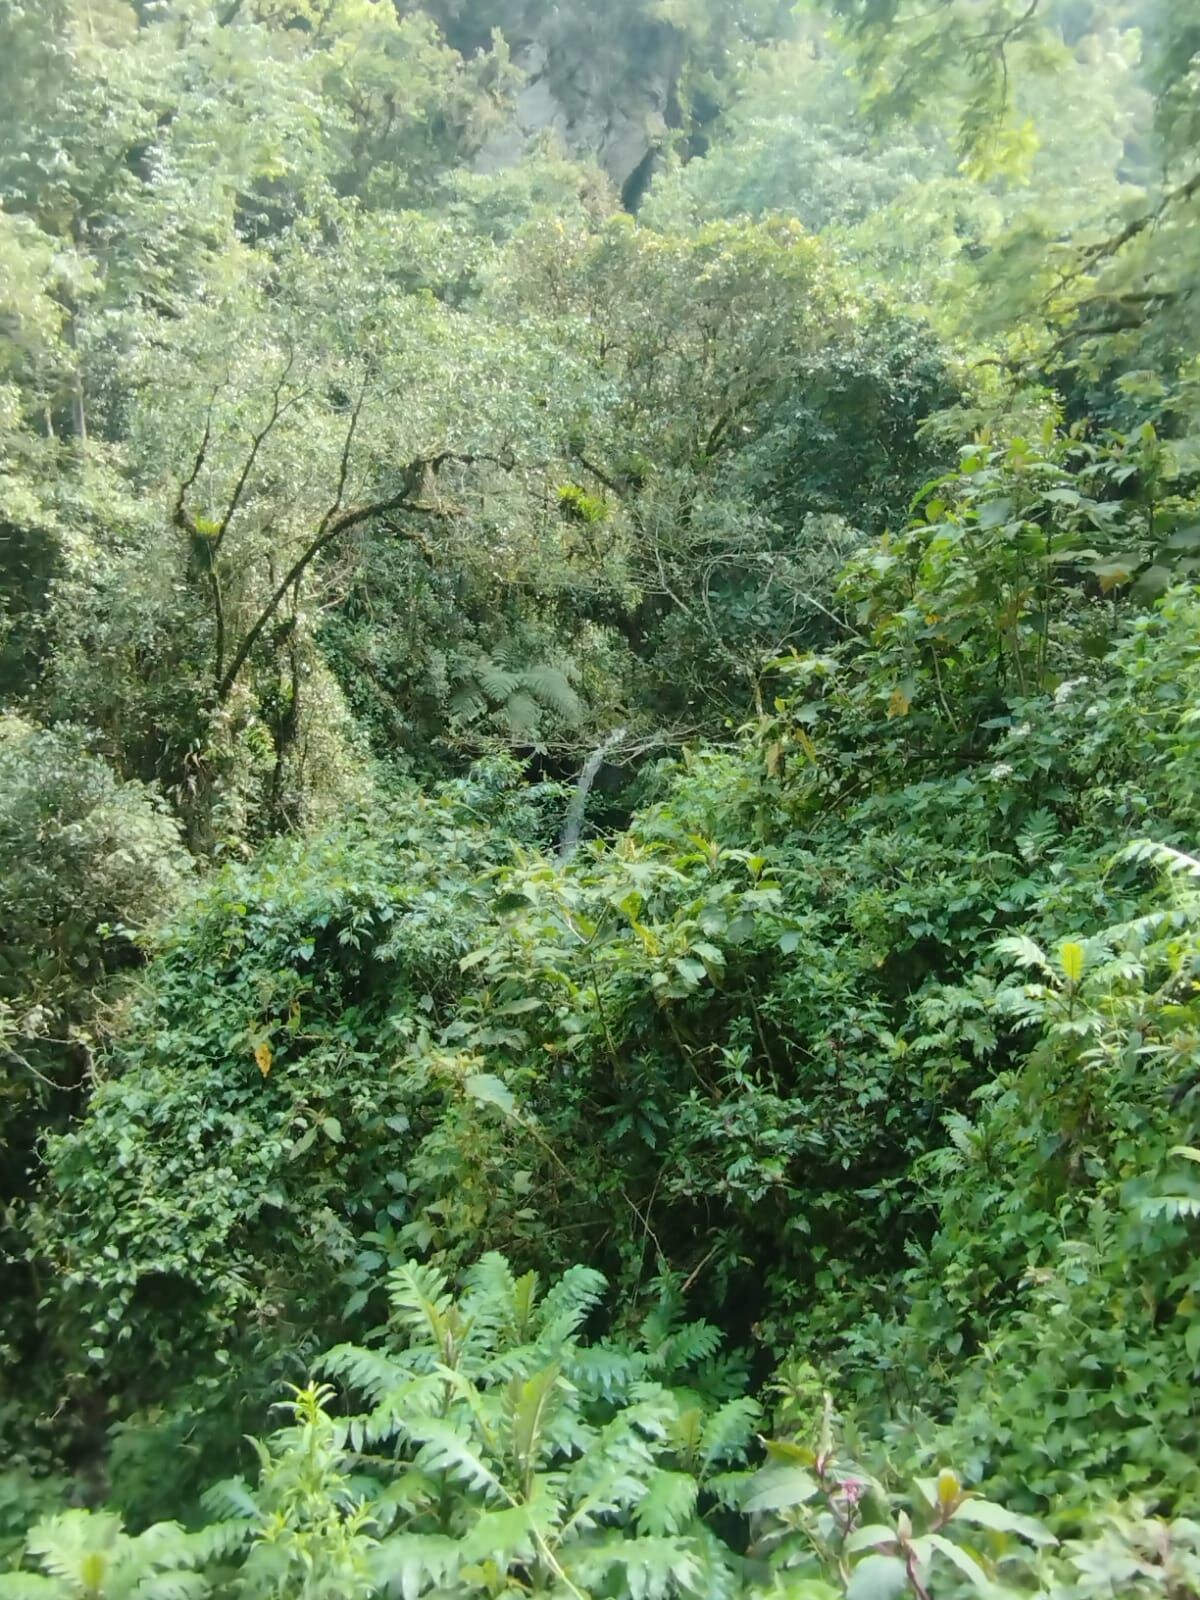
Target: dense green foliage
(772,1173)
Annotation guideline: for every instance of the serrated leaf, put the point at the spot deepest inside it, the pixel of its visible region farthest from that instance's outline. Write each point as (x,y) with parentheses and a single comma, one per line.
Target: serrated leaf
(668,1504)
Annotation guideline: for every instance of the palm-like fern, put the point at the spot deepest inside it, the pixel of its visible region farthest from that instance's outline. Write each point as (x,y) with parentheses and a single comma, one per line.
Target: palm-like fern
(521,694)
(510,1451)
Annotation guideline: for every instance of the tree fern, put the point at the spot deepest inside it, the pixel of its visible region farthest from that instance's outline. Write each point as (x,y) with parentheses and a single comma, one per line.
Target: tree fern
(519,692)
(522,713)
(549,685)
(497,682)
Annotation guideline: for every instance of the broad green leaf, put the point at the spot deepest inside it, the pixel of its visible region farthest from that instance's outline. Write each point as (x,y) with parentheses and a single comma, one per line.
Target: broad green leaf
(870,1535)
(962,1559)
(878,1577)
(986,1514)
(489,1090)
(776,1488)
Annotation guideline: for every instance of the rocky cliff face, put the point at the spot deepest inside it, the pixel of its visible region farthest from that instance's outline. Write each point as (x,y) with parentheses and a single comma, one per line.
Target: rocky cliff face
(601,75)
(612,105)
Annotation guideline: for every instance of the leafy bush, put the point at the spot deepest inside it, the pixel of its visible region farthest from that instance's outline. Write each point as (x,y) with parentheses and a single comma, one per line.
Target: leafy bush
(503,1453)
(85,862)
(256,1123)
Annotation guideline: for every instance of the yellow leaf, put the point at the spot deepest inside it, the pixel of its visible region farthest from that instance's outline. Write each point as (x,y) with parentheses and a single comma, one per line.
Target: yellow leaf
(898,705)
(949,1487)
(93,1569)
(1070,956)
(262,1054)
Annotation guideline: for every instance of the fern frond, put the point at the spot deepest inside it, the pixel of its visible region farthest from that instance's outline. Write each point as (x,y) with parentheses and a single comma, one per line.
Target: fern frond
(728,1431)
(172,1586)
(218,1541)
(501,1536)
(372,1372)
(718,1578)
(612,1476)
(1173,1207)
(522,713)
(650,1568)
(729,1489)
(488,1301)
(550,686)
(230,1499)
(603,1371)
(1022,952)
(410,1563)
(687,1347)
(421,1301)
(445,1449)
(1163,856)
(497,682)
(468,702)
(567,1302)
(668,1504)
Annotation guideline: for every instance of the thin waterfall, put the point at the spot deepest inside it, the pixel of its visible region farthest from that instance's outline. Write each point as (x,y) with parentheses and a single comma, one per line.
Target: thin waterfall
(573,826)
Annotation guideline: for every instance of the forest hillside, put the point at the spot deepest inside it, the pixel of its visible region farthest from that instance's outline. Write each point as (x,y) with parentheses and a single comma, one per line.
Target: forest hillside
(599,840)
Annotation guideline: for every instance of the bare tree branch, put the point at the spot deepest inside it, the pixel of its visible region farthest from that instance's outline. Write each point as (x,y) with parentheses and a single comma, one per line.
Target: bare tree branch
(332,527)
(180,517)
(278,407)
